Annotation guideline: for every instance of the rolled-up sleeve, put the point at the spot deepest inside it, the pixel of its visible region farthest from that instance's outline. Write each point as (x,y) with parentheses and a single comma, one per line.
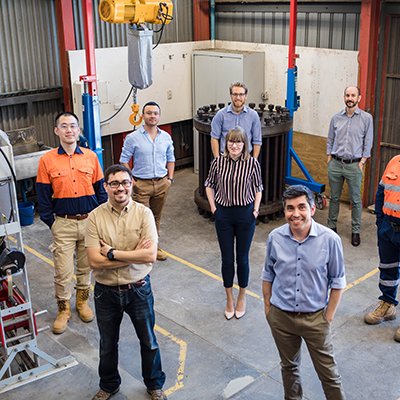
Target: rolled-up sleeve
(267,273)
(336,268)
(127,149)
(216,125)
(256,131)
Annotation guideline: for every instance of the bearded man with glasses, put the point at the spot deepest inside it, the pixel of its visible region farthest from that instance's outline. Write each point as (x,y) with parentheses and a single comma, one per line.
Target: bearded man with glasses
(69,186)
(236,114)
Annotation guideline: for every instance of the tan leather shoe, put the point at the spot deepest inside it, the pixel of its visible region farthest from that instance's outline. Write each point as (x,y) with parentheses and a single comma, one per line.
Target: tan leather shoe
(82,305)
(383,312)
(63,316)
(161,256)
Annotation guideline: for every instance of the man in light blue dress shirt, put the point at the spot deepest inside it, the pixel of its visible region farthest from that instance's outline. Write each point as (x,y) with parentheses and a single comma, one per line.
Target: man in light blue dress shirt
(233,115)
(152,152)
(303,280)
(348,148)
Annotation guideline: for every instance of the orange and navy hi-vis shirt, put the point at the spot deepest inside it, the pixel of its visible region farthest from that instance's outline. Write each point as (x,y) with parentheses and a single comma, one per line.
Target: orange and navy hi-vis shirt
(387,200)
(69,185)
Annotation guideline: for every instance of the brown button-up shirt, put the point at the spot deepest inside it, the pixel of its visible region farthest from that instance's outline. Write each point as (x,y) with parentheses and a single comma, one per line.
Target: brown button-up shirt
(122,231)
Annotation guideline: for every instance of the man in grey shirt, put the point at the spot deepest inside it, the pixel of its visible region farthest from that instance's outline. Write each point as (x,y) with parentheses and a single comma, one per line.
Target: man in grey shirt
(348,148)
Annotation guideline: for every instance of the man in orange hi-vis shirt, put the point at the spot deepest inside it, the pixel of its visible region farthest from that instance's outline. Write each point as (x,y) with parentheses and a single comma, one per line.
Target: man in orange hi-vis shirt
(69,186)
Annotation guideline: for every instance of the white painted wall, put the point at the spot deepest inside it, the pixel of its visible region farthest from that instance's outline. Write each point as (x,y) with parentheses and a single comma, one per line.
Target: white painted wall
(322,76)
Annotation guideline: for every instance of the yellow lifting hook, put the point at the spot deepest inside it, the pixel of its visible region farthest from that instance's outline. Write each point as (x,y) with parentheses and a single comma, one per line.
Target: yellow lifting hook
(134,115)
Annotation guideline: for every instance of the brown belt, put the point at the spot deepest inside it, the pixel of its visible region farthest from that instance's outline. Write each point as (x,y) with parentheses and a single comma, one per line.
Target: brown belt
(299,314)
(128,286)
(78,217)
(148,179)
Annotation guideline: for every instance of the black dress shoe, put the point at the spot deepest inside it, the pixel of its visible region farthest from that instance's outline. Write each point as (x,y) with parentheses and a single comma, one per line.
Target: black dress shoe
(355,239)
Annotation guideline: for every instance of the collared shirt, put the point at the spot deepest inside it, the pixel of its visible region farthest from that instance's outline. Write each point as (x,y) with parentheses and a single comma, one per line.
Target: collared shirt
(235,182)
(350,137)
(226,119)
(69,184)
(303,272)
(122,231)
(149,157)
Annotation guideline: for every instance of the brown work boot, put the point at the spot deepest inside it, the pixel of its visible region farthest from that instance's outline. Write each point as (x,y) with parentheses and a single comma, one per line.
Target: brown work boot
(383,312)
(157,394)
(397,335)
(63,316)
(103,395)
(82,306)
(161,256)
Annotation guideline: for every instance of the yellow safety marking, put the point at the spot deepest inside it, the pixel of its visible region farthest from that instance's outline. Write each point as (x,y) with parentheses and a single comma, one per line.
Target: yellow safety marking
(208,273)
(363,278)
(182,359)
(182,344)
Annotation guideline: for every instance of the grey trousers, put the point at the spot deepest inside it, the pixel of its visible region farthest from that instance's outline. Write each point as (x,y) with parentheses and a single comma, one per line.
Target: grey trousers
(339,172)
(288,331)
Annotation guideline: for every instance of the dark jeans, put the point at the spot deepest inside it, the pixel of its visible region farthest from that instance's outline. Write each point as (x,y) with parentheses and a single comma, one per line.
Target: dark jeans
(138,304)
(232,223)
(389,259)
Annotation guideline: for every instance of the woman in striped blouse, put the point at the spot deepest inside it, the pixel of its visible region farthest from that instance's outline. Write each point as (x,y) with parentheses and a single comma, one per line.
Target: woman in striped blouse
(233,189)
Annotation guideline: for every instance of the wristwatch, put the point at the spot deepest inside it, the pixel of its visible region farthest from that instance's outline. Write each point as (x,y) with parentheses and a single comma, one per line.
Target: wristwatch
(110,254)
(171,179)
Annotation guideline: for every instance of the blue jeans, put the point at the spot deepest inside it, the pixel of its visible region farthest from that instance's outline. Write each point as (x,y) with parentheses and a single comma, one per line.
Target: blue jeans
(338,172)
(110,306)
(232,223)
(389,261)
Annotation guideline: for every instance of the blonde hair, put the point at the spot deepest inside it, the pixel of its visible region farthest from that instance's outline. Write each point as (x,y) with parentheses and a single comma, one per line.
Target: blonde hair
(238,84)
(237,134)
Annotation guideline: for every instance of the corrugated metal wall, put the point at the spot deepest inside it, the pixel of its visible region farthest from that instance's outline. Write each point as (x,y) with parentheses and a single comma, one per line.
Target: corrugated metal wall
(29,67)
(29,57)
(114,35)
(329,26)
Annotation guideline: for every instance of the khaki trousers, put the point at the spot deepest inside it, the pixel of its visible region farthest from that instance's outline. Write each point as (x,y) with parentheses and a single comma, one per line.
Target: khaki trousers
(152,193)
(69,241)
(289,330)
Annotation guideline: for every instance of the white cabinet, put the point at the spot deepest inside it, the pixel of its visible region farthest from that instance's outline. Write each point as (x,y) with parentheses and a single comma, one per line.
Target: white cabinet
(215,70)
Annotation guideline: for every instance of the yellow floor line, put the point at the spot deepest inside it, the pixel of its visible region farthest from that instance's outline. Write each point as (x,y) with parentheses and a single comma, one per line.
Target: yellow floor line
(363,278)
(182,359)
(182,344)
(208,273)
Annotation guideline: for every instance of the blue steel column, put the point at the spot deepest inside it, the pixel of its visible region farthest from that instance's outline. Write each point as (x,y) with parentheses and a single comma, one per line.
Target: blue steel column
(90,100)
(293,103)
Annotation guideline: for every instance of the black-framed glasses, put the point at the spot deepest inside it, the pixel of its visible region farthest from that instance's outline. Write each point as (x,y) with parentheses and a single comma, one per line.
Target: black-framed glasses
(115,184)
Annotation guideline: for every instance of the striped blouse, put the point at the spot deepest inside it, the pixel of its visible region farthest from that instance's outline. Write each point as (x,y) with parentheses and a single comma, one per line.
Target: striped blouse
(235,183)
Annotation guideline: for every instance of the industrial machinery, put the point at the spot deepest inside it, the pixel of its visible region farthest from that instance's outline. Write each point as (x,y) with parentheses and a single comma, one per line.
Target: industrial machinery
(21,360)
(140,45)
(276,123)
(293,103)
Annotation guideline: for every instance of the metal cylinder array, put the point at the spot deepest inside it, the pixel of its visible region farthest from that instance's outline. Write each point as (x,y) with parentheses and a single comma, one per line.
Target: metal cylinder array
(275,125)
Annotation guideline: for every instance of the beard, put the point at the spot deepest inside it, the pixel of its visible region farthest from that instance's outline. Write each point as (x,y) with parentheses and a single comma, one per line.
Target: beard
(351,103)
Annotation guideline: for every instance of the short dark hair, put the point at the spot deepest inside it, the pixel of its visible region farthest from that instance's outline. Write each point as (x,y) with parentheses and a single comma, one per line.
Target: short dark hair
(65,114)
(150,103)
(113,169)
(294,191)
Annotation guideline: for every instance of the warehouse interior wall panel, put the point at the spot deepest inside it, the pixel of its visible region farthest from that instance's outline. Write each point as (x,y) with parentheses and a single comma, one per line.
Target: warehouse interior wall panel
(115,35)
(333,26)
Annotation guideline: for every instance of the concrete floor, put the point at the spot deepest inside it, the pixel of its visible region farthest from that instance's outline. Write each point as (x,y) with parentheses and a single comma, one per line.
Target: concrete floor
(204,356)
